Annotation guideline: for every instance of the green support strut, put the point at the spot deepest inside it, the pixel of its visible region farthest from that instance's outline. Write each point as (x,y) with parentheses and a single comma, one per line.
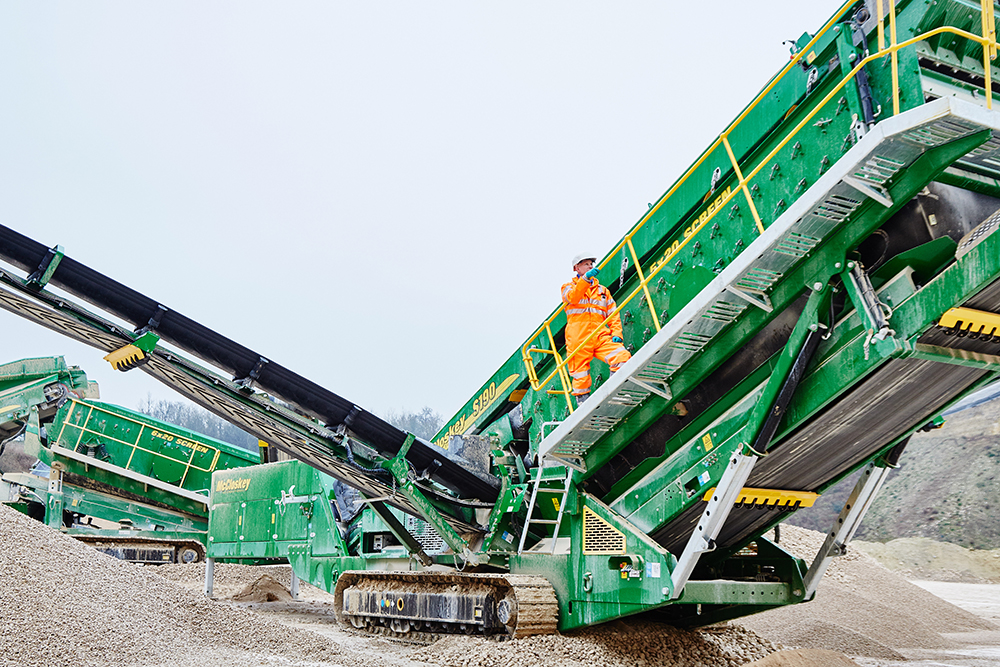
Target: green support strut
(762,424)
(400,469)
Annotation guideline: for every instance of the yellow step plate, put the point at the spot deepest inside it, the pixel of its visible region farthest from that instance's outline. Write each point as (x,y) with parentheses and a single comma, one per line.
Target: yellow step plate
(971,323)
(772,498)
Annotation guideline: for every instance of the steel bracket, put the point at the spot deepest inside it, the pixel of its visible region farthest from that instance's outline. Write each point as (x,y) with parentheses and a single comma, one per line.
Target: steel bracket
(846,525)
(881,195)
(759,299)
(41,276)
(663,393)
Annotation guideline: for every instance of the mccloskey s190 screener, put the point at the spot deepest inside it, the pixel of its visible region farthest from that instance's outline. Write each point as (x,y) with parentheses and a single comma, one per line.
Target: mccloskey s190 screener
(821,283)
(132,486)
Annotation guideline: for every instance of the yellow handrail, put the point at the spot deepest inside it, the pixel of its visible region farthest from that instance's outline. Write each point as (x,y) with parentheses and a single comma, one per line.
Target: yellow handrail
(989,44)
(743,184)
(645,287)
(990,51)
(760,96)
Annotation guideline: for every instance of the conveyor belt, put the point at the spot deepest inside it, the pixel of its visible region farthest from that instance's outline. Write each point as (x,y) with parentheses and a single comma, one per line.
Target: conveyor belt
(123,302)
(851,430)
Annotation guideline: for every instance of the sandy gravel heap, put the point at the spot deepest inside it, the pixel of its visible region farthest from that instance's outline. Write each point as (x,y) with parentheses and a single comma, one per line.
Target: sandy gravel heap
(263,589)
(63,603)
(861,609)
(923,558)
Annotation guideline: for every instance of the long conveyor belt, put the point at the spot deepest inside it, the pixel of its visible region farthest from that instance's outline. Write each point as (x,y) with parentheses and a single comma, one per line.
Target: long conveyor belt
(213,348)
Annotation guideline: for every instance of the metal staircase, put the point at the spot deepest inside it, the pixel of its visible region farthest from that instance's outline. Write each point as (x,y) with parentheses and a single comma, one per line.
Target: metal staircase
(863,173)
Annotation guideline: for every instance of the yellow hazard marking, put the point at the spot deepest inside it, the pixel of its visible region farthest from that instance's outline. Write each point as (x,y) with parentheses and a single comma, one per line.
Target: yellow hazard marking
(811,57)
(272,517)
(516,396)
(971,321)
(555,501)
(707,440)
(771,497)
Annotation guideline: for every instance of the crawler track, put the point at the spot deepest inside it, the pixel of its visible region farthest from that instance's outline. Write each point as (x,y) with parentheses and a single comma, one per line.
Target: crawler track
(421,606)
(145,549)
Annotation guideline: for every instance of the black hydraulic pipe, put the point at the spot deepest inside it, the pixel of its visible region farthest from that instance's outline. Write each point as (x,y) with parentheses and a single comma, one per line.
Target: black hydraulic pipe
(892,457)
(795,375)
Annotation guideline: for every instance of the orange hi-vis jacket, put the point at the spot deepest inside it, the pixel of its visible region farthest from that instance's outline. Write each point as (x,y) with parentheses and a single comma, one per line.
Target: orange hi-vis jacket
(588,304)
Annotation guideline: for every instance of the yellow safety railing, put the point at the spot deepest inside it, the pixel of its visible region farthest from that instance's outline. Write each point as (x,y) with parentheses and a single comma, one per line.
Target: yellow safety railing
(987,41)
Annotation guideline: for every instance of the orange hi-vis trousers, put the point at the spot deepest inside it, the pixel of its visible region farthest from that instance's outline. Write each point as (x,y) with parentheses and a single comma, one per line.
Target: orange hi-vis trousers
(588,303)
(601,347)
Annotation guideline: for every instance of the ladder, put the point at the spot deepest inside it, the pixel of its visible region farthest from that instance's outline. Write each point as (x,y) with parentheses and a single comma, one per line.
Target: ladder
(537,488)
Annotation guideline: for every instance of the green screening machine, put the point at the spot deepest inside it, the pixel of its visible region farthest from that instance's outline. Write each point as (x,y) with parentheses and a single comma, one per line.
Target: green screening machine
(131,486)
(820,284)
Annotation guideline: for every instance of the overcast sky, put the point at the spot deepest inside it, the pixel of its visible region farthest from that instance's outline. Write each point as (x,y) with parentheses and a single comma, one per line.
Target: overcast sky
(383,196)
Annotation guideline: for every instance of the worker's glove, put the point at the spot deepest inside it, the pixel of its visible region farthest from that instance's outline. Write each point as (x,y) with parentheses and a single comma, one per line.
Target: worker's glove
(616,339)
(589,275)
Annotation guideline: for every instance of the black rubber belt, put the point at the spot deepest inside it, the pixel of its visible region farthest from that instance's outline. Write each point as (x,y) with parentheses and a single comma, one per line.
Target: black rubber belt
(214,348)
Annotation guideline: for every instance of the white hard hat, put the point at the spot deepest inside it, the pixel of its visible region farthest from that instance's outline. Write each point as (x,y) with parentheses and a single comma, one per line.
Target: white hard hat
(582,258)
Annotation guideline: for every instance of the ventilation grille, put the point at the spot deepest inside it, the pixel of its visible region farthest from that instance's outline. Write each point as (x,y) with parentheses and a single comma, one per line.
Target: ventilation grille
(599,536)
(425,535)
(973,238)
(656,371)
(796,245)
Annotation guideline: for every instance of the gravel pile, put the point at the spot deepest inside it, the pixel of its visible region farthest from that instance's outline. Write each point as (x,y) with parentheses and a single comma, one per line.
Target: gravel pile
(264,589)
(861,609)
(618,644)
(63,603)
(923,558)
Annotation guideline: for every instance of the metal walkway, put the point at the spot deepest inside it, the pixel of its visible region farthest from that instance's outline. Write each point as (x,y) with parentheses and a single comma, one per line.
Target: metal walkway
(891,146)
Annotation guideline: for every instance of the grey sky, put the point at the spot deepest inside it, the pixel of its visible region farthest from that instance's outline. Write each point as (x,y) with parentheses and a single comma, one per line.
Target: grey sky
(384,197)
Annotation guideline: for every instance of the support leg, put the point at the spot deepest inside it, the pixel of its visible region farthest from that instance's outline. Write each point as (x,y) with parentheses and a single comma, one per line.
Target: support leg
(54,503)
(209,577)
(846,524)
(760,429)
(295,585)
(715,514)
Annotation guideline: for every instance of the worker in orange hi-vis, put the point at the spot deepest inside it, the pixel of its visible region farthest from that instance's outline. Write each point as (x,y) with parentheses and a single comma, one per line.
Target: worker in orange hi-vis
(588,304)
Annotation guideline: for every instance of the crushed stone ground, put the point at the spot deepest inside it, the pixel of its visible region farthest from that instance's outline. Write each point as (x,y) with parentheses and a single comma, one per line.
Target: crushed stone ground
(62,604)
(862,609)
